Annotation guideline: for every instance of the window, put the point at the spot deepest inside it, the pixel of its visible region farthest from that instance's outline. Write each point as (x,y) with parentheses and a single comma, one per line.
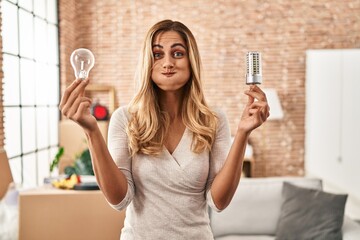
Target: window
(31,87)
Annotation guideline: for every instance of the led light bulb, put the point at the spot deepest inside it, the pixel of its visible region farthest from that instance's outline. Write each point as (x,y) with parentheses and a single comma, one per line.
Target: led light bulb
(82,60)
(253,68)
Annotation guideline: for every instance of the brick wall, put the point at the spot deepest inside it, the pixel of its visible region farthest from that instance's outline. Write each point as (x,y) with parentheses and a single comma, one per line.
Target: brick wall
(225,30)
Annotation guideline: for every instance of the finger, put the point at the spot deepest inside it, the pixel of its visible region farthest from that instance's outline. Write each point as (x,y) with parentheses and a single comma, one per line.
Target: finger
(256,117)
(263,115)
(77,103)
(84,108)
(73,109)
(76,93)
(253,111)
(68,91)
(260,108)
(259,104)
(256,93)
(250,100)
(256,88)
(260,112)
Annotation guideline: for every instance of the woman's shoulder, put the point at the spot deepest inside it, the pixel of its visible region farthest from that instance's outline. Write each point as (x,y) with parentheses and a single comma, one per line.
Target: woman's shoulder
(121,113)
(222,120)
(219,113)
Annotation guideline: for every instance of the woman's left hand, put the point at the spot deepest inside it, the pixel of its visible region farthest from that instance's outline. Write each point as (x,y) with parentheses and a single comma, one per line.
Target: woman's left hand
(255,112)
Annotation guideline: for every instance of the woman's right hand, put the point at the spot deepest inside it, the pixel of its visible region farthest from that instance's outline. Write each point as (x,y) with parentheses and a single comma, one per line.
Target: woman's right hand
(76,106)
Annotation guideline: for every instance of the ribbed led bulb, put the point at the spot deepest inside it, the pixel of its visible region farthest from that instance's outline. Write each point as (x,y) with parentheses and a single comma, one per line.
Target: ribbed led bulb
(253,68)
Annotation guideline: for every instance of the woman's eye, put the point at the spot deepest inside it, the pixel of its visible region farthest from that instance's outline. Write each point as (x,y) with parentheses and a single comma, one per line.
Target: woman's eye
(178,54)
(157,55)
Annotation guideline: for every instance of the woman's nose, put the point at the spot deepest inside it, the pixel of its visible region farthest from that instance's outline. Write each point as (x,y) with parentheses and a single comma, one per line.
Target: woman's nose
(168,62)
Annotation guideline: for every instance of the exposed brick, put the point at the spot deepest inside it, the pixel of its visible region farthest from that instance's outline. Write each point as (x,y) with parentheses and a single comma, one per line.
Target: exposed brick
(225,30)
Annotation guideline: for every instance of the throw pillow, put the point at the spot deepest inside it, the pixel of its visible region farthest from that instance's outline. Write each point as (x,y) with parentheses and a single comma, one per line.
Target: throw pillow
(310,214)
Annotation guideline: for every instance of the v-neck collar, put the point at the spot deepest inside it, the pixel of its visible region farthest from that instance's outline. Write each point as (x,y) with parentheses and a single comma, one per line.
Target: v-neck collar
(178,145)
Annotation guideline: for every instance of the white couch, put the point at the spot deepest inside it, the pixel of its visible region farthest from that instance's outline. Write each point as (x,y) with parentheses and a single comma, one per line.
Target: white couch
(255,209)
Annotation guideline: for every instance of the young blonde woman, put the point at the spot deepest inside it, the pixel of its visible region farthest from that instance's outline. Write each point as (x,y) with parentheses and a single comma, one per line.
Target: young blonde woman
(168,153)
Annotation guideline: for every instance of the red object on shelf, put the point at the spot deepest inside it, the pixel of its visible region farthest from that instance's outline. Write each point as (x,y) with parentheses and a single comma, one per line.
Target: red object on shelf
(100,112)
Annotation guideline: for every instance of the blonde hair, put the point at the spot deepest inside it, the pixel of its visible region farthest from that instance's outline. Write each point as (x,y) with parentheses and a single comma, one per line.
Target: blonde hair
(148,126)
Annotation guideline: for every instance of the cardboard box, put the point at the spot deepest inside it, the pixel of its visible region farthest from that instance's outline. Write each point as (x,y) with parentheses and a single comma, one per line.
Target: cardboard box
(50,213)
(5,174)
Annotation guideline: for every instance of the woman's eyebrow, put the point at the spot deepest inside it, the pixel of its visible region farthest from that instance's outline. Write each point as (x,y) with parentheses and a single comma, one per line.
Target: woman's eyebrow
(172,46)
(178,44)
(157,45)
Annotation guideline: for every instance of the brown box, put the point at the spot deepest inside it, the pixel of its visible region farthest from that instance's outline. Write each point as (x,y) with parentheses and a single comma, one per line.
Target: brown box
(50,213)
(5,173)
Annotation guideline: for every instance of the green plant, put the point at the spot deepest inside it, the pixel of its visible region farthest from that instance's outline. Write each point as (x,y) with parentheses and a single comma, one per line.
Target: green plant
(56,160)
(82,165)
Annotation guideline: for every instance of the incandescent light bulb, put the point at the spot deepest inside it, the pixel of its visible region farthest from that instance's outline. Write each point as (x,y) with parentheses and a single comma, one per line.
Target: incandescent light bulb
(82,60)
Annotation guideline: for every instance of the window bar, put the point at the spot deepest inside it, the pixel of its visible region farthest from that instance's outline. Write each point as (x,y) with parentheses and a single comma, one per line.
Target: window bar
(20,97)
(35,103)
(36,150)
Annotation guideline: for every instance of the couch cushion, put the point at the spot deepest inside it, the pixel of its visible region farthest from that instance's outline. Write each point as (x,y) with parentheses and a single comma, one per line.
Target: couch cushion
(310,214)
(246,237)
(350,229)
(255,207)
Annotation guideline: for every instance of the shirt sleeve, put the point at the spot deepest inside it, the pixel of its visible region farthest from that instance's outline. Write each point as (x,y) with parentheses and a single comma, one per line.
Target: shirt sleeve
(118,148)
(218,154)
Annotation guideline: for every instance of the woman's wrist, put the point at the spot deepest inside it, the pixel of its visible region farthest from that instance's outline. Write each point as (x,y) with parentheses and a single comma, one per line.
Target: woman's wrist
(244,132)
(92,132)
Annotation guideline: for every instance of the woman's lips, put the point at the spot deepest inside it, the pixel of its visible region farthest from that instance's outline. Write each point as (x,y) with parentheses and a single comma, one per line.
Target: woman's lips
(169,74)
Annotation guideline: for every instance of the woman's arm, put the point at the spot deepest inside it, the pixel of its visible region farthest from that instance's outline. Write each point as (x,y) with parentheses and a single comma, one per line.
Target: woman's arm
(227,179)
(75,106)
(111,180)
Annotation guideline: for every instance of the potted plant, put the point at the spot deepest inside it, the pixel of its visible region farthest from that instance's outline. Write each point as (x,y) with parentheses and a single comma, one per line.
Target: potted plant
(56,160)
(82,165)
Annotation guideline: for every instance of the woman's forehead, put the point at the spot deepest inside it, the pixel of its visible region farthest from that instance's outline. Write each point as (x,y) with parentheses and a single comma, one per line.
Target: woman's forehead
(168,37)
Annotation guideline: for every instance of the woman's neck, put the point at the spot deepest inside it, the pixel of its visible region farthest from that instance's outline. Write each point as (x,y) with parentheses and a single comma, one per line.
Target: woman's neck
(171,102)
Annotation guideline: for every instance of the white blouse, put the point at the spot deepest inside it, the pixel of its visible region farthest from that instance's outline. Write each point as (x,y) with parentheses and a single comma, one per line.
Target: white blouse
(167,194)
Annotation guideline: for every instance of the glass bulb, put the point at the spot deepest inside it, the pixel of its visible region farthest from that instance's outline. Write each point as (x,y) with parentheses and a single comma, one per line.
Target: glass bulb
(82,60)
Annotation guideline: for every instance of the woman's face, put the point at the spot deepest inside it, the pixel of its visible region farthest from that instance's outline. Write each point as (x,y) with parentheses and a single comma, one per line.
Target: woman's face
(171,69)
